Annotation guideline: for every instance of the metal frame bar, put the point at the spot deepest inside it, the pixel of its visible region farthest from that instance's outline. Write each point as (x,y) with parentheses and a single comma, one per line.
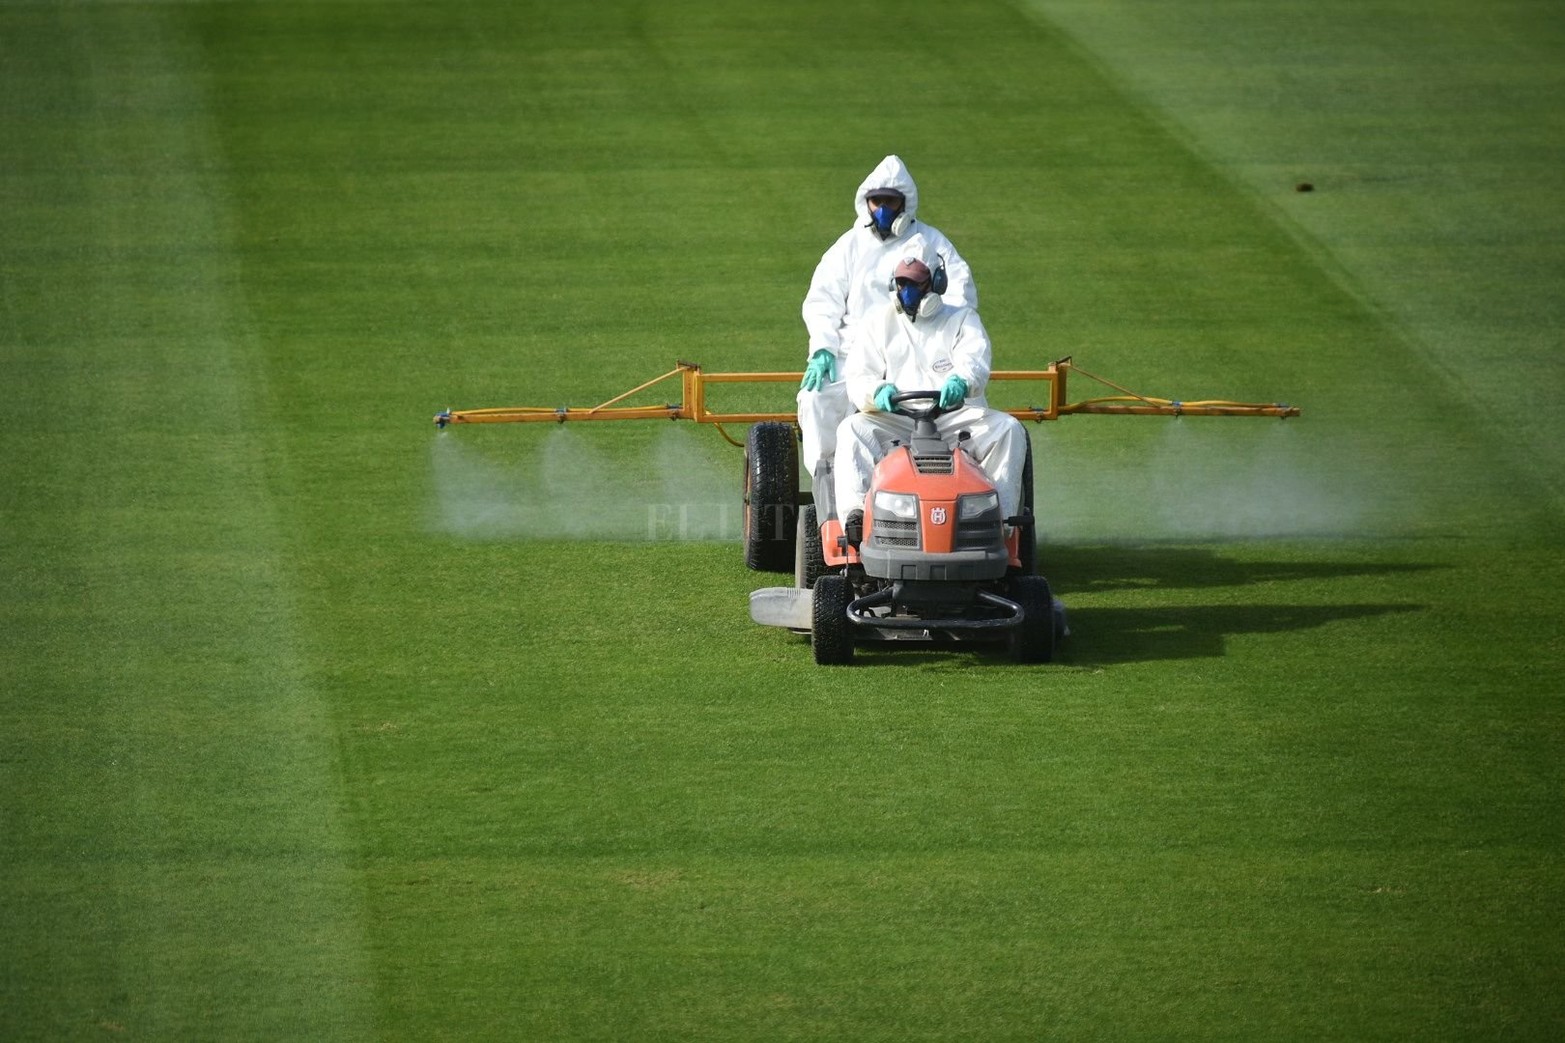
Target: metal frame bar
(692,405)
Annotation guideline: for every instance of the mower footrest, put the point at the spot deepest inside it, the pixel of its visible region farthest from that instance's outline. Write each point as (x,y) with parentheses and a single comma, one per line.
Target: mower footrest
(858,613)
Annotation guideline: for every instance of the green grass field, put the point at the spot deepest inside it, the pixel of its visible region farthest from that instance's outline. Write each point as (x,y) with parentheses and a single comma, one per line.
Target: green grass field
(320,724)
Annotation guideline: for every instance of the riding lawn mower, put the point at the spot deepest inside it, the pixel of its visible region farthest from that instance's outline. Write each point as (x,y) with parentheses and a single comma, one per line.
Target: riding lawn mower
(931,559)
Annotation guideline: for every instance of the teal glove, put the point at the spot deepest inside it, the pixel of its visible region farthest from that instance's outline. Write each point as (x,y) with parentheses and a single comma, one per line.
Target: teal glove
(883,398)
(954,393)
(822,370)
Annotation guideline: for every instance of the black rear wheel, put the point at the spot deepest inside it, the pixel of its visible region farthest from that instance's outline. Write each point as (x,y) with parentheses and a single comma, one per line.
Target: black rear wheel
(831,635)
(771,496)
(1027,551)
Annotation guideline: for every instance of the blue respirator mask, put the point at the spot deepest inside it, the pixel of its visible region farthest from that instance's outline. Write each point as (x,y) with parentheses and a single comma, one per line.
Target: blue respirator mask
(916,300)
(917,288)
(889,219)
(881,219)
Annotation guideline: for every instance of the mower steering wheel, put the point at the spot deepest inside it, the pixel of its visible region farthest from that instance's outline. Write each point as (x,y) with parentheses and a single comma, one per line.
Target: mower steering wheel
(928,412)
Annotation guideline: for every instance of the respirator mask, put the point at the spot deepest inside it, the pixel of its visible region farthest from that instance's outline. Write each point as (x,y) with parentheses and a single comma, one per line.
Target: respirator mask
(916,289)
(887,217)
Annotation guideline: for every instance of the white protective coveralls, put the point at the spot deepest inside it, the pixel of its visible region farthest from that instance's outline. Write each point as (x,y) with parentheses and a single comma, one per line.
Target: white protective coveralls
(887,348)
(852,278)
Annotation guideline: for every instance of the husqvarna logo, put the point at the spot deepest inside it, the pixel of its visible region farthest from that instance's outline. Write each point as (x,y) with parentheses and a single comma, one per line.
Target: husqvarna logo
(937,515)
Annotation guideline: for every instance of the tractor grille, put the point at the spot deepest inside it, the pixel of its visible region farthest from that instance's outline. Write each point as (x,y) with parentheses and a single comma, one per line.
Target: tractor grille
(977,535)
(937,463)
(895,532)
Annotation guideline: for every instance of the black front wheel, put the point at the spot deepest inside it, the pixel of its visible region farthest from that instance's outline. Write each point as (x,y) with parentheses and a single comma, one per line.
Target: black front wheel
(831,635)
(1033,640)
(809,562)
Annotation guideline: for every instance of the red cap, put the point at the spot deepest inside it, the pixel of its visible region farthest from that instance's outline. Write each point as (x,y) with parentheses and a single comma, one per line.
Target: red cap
(912,269)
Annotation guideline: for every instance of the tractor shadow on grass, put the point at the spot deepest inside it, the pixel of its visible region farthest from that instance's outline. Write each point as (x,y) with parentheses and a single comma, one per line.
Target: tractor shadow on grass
(1106,634)
(1102,637)
(1109,634)
(1080,568)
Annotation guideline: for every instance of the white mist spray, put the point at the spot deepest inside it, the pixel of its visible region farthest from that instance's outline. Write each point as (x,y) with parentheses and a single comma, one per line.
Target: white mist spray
(1201,478)
(561,484)
(1262,482)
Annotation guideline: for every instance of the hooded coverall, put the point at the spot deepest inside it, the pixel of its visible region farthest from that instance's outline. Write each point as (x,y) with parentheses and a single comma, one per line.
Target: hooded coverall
(854,276)
(887,348)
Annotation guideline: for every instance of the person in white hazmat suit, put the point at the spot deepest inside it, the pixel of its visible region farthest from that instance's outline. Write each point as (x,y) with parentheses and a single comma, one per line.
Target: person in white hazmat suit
(853,277)
(915,341)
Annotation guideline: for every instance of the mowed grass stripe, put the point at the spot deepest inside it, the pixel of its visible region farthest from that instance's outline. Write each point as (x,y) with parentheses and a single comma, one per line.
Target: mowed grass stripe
(175,855)
(1430,140)
(519,204)
(1271,789)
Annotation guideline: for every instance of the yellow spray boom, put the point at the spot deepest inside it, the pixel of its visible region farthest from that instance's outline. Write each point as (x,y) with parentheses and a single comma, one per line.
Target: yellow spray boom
(692,404)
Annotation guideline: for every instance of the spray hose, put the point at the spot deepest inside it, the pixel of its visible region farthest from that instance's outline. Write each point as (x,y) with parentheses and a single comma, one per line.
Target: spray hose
(1164,406)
